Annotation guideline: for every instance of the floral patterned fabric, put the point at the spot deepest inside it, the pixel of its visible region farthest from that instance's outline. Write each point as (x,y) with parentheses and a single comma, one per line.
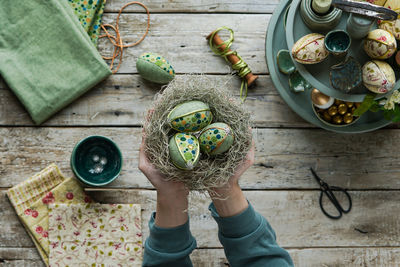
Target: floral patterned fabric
(89,13)
(95,235)
(36,217)
(23,195)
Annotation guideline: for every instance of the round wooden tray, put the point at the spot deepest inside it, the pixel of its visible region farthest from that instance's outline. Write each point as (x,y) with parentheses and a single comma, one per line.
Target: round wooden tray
(296,28)
(301,102)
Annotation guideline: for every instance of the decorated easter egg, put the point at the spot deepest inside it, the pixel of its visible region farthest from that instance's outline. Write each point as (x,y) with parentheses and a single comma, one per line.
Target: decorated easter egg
(310,49)
(216,138)
(184,151)
(378,76)
(392,26)
(155,68)
(380,44)
(191,116)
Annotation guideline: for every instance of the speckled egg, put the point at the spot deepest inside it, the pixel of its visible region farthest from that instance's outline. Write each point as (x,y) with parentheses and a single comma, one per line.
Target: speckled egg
(216,138)
(378,76)
(380,44)
(392,26)
(184,151)
(310,49)
(191,116)
(155,68)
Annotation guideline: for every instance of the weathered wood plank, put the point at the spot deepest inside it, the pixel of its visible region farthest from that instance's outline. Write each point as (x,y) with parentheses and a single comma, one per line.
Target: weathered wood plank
(182,40)
(193,6)
(124,99)
(283,157)
(309,257)
(295,216)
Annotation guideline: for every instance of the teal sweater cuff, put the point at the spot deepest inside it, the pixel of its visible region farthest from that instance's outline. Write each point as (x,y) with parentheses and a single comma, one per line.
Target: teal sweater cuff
(239,225)
(170,240)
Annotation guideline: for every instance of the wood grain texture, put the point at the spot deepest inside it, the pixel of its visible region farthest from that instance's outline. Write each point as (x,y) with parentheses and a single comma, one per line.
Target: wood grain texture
(283,157)
(313,257)
(124,100)
(294,215)
(202,6)
(182,41)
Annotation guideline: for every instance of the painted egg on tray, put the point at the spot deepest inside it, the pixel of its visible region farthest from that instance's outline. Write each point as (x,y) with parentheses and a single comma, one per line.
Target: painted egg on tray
(380,44)
(184,151)
(378,76)
(155,68)
(392,26)
(216,138)
(310,49)
(191,116)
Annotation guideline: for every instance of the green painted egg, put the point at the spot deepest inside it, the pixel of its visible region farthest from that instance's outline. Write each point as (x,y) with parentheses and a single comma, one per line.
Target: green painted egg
(155,68)
(190,116)
(184,151)
(216,138)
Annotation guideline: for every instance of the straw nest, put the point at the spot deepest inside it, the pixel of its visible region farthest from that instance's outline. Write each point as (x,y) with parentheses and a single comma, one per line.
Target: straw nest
(211,171)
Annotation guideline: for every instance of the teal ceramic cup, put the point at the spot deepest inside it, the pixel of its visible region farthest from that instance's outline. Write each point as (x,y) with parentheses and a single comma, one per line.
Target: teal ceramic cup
(96,160)
(337,43)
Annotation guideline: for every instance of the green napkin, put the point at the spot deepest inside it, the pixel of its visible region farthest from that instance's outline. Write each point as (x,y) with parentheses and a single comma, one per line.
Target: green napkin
(46,57)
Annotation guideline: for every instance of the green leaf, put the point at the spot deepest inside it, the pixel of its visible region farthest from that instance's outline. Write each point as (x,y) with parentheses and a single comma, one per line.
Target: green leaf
(375,107)
(367,103)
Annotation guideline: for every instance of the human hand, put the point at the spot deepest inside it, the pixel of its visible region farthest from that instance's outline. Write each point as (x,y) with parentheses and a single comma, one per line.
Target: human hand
(229,199)
(172,197)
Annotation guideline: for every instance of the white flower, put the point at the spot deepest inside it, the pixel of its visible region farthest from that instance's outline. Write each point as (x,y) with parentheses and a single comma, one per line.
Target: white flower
(389,105)
(395,97)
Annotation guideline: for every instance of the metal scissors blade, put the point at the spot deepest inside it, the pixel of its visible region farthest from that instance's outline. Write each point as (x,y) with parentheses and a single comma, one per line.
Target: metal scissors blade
(366,9)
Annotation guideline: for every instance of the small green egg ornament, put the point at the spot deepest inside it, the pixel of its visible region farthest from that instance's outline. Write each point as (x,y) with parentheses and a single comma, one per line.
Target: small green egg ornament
(184,151)
(155,68)
(191,116)
(216,138)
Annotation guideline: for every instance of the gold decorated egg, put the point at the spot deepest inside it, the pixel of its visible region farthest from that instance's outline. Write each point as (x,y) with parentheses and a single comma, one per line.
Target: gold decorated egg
(310,49)
(378,76)
(191,116)
(184,151)
(380,44)
(216,138)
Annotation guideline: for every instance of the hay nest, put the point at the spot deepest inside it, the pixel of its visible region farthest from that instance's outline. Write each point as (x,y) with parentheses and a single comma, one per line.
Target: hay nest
(211,171)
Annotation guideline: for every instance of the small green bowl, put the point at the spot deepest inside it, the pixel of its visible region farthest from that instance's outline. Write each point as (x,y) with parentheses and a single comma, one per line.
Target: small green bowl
(96,160)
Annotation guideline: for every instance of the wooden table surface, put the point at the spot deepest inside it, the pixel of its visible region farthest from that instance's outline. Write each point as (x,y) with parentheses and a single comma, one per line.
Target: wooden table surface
(279,185)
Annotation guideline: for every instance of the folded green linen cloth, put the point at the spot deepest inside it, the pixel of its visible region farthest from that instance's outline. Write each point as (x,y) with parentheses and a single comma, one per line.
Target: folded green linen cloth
(46,57)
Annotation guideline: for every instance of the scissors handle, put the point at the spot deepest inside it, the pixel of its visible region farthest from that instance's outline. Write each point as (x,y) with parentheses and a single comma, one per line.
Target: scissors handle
(329,193)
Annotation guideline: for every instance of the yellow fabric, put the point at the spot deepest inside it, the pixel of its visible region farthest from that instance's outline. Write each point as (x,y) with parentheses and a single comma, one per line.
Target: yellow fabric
(68,192)
(23,195)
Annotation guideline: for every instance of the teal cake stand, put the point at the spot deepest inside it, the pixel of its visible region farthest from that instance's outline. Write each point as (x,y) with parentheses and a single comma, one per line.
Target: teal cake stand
(301,102)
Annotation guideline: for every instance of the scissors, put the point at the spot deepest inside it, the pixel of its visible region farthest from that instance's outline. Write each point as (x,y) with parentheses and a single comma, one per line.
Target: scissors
(329,192)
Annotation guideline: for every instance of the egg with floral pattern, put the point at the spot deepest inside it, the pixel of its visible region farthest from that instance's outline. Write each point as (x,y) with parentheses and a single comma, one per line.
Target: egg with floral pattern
(216,138)
(191,116)
(378,76)
(310,49)
(155,68)
(184,151)
(380,44)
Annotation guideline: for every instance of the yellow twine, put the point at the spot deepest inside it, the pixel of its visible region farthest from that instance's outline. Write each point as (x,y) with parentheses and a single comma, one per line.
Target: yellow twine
(241,67)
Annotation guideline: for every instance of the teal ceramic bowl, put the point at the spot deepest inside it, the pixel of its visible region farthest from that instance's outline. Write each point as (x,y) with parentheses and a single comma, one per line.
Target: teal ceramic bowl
(96,160)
